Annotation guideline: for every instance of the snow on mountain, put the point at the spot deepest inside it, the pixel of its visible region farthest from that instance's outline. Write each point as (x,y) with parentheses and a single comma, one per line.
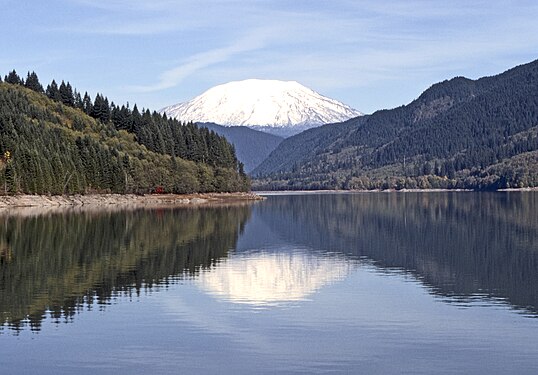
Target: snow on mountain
(278,107)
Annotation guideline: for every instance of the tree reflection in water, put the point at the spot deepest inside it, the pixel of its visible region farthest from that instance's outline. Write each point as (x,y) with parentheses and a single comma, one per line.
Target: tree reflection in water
(58,263)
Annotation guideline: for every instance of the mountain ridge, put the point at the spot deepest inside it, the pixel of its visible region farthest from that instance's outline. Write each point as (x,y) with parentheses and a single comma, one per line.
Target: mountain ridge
(451,136)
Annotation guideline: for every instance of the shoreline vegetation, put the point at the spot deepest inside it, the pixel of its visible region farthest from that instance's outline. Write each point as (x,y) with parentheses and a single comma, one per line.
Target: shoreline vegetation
(125,200)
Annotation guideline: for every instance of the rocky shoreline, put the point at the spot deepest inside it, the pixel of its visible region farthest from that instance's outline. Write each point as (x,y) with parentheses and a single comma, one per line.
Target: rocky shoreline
(148,200)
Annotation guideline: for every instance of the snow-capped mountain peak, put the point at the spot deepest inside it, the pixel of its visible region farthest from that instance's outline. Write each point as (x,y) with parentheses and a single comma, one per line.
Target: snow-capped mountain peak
(280,107)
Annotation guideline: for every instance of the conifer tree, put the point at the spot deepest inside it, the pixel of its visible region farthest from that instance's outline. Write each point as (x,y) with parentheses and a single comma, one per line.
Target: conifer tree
(78,100)
(136,120)
(32,82)
(101,109)
(66,94)
(13,78)
(87,105)
(53,92)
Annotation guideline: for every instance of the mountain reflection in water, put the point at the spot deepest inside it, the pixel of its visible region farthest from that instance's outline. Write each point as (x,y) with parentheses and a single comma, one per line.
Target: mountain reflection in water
(272,278)
(463,247)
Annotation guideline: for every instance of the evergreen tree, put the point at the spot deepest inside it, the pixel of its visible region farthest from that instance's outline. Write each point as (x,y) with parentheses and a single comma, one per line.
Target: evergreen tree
(136,121)
(53,92)
(101,109)
(120,117)
(78,100)
(66,94)
(87,105)
(13,78)
(32,82)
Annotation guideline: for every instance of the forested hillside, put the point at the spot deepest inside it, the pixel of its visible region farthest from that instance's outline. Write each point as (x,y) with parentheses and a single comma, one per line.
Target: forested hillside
(459,133)
(56,141)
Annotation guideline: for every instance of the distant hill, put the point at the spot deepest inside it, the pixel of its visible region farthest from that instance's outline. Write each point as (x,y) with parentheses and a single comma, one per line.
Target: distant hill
(460,133)
(55,142)
(283,108)
(251,146)
(303,147)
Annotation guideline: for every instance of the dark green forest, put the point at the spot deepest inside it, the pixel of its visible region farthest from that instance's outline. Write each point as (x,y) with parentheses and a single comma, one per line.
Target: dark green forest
(460,133)
(54,140)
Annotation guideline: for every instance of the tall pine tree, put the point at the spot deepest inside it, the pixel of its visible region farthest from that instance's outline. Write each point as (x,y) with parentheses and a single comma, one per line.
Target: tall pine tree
(32,82)
(53,92)
(13,78)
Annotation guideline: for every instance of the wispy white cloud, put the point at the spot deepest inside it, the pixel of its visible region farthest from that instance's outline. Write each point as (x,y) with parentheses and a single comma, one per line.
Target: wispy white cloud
(172,77)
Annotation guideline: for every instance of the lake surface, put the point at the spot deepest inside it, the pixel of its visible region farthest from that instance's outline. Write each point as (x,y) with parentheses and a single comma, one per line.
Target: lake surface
(374,283)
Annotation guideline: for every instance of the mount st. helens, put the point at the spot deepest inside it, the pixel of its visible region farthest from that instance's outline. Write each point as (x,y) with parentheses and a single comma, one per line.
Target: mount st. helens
(282,108)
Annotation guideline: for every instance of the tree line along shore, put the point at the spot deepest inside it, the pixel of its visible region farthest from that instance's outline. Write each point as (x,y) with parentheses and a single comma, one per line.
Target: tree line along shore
(55,141)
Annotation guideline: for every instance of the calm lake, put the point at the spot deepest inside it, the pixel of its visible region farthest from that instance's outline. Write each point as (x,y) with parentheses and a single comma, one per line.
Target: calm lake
(372,283)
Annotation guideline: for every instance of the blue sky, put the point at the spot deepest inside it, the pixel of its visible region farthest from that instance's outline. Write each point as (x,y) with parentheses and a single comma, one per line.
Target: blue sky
(369,54)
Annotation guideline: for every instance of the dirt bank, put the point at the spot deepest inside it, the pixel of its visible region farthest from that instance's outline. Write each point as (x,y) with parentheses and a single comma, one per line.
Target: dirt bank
(149,200)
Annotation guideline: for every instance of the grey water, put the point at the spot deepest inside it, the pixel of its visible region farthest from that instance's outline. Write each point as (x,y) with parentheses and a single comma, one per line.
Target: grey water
(373,283)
